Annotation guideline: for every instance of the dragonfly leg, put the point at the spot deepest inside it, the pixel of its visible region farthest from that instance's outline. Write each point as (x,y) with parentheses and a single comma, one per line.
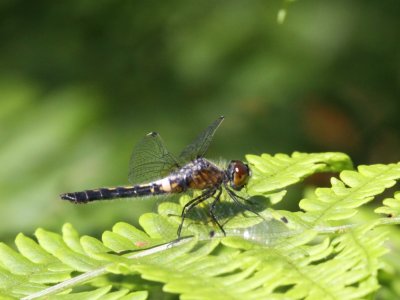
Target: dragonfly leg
(236,198)
(212,209)
(192,203)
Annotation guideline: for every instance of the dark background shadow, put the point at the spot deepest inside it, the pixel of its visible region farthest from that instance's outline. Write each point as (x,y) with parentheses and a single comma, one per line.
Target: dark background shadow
(82,81)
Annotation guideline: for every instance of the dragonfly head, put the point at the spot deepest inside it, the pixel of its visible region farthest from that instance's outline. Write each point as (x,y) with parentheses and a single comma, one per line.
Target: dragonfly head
(238,174)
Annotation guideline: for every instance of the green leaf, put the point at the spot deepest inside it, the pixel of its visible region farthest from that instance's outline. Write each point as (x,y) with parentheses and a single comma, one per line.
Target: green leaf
(272,173)
(353,190)
(391,206)
(55,245)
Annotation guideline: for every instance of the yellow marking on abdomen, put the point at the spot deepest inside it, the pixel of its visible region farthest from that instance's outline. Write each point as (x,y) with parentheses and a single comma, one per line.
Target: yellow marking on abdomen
(164,184)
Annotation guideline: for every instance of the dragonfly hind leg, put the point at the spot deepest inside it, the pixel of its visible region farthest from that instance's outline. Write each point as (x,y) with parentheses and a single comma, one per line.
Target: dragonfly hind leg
(191,204)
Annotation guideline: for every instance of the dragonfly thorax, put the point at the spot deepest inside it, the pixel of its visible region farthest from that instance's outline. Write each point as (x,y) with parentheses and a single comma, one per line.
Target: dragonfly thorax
(202,174)
(238,174)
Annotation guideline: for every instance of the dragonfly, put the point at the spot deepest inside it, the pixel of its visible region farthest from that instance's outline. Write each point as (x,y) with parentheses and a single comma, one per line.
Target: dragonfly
(153,171)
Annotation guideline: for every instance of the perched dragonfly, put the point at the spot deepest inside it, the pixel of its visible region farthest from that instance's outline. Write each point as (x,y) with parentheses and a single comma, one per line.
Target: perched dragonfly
(155,171)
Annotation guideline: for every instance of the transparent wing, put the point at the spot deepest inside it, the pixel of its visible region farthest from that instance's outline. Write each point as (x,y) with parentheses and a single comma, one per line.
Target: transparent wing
(200,145)
(150,160)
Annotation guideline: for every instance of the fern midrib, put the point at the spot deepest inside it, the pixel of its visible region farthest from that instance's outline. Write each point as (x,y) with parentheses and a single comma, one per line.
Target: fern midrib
(366,254)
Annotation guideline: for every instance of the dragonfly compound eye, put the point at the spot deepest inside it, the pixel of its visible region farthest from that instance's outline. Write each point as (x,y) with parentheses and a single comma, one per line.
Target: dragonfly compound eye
(239,174)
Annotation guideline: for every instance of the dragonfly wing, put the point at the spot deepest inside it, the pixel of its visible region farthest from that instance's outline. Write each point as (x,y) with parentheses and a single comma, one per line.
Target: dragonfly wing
(151,160)
(200,145)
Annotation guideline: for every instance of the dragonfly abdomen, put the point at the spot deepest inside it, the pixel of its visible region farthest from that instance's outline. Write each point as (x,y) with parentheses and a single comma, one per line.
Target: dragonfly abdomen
(113,193)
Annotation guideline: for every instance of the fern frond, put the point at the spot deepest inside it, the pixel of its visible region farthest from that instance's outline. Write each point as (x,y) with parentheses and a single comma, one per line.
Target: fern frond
(243,270)
(271,174)
(353,190)
(293,255)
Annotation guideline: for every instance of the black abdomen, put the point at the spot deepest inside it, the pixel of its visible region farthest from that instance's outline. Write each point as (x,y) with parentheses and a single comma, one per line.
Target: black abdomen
(113,193)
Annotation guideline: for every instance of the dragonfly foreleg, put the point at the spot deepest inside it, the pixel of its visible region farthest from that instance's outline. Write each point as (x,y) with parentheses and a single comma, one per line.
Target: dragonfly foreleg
(212,209)
(192,203)
(235,197)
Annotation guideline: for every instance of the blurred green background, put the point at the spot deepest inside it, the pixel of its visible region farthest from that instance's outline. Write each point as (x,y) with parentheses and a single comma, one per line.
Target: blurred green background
(82,81)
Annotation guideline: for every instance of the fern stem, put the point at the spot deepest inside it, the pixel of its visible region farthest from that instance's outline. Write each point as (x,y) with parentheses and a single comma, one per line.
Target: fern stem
(343,228)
